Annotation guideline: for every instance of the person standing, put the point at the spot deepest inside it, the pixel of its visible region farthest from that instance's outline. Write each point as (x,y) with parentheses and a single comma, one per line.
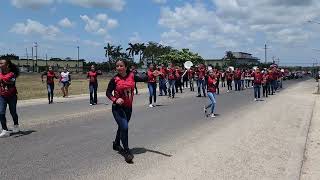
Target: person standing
(92,77)
(223,78)
(8,95)
(201,80)
(229,75)
(163,80)
(243,75)
(179,79)
(257,84)
(217,74)
(211,89)
(65,81)
(152,85)
(237,79)
(190,74)
(172,80)
(51,75)
(135,71)
(121,91)
(265,84)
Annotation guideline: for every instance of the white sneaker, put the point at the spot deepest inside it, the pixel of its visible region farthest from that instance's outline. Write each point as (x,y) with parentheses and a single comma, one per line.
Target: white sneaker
(91,104)
(16,129)
(4,134)
(150,106)
(212,115)
(255,99)
(228,91)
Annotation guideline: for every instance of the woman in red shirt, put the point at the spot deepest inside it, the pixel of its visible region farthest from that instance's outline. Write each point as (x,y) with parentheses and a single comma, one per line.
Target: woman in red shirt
(8,95)
(152,85)
(172,80)
(121,91)
(211,88)
(92,77)
(257,83)
(50,82)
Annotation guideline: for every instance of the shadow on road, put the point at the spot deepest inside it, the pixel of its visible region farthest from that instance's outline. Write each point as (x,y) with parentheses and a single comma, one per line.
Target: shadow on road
(144,150)
(22,133)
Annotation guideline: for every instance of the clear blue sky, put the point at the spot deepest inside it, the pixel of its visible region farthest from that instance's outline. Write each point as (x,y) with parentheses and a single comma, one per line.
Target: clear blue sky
(209,27)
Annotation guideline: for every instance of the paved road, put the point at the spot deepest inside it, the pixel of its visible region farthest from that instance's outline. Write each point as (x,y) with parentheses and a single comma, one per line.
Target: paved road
(72,140)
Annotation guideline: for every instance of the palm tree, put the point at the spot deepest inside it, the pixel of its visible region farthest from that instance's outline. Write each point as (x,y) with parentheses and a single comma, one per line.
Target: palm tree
(140,50)
(117,52)
(132,50)
(109,51)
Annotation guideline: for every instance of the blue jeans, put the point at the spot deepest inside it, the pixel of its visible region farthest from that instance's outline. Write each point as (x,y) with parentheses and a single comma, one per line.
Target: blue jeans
(171,89)
(201,85)
(122,116)
(162,86)
(93,87)
(212,98)
(12,102)
(242,84)
(237,84)
(257,88)
(50,88)
(152,92)
(273,86)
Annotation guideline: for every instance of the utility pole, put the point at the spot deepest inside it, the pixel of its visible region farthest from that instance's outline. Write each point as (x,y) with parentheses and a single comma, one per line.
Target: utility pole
(32,59)
(36,45)
(265,53)
(273,61)
(46,60)
(78,58)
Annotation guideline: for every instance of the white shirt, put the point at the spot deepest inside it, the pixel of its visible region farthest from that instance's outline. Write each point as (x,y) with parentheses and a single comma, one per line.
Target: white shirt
(65,76)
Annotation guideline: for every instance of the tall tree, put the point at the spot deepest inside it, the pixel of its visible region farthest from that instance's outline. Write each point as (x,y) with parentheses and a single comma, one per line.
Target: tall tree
(109,49)
(132,50)
(140,49)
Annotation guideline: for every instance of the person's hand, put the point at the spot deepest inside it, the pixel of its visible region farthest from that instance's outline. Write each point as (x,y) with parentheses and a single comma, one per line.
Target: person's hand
(120,101)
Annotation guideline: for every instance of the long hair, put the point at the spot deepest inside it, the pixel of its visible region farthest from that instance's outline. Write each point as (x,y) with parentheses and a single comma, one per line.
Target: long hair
(12,67)
(126,64)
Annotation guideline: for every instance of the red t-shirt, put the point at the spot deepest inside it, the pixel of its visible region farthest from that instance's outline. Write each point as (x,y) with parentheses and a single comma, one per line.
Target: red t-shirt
(151,77)
(92,75)
(212,84)
(237,75)
(50,77)
(171,73)
(164,73)
(190,73)
(229,76)
(202,73)
(8,84)
(257,78)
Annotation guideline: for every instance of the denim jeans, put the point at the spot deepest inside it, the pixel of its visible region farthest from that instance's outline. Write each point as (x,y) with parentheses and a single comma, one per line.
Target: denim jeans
(50,88)
(201,85)
(242,84)
(152,92)
(93,87)
(212,98)
(273,86)
(122,116)
(257,92)
(162,86)
(171,89)
(237,84)
(12,102)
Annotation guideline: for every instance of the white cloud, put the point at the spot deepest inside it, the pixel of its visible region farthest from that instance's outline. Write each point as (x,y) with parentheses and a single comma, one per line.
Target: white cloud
(66,23)
(100,24)
(135,38)
(92,43)
(112,4)
(32,4)
(160,1)
(32,27)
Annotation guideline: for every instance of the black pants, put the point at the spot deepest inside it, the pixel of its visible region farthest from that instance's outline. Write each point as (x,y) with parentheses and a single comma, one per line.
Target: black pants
(217,85)
(229,84)
(50,88)
(178,85)
(185,82)
(122,115)
(12,102)
(265,90)
(93,87)
(135,87)
(223,83)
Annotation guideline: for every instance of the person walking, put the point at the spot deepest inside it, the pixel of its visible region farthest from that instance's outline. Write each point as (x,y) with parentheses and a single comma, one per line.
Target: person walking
(211,89)
(121,91)
(172,80)
(8,95)
(257,84)
(201,80)
(65,81)
(163,80)
(92,77)
(152,85)
(229,75)
(51,75)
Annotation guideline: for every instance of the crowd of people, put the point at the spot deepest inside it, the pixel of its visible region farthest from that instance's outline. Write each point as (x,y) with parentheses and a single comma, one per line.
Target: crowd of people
(122,87)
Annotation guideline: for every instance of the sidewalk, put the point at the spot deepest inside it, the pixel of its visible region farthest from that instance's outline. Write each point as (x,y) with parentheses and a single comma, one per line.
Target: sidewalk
(311,165)
(265,140)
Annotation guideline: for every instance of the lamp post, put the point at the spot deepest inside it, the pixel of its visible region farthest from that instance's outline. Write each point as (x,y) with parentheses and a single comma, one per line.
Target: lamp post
(78,58)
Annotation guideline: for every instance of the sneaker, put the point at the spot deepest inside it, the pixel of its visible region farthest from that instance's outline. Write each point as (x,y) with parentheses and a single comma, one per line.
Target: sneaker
(4,134)
(199,95)
(213,116)
(255,99)
(128,156)
(91,104)
(16,129)
(150,106)
(117,147)
(228,91)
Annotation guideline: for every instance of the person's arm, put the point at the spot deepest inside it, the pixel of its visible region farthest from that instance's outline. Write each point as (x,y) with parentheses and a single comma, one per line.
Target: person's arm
(69,77)
(8,78)
(111,87)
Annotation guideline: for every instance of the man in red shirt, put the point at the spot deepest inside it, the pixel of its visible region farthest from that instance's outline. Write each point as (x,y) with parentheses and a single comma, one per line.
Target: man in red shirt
(163,80)
(172,80)
(257,83)
(237,79)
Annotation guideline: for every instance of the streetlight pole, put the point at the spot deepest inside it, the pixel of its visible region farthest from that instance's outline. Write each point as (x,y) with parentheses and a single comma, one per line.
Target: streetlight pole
(78,58)
(36,46)
(265,53)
